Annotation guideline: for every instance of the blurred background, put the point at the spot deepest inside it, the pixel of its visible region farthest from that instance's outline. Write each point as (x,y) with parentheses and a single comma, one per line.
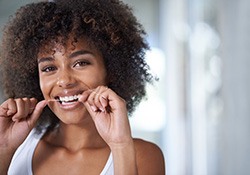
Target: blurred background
(199,110)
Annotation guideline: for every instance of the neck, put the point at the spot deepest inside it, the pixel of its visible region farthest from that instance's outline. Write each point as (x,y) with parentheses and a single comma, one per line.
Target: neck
(77,137)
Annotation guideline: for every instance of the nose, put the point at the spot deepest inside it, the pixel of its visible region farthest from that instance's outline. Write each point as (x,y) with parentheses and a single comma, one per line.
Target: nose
(65,79)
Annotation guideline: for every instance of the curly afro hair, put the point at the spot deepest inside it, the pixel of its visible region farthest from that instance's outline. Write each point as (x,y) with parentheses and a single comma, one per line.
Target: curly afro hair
(108,24)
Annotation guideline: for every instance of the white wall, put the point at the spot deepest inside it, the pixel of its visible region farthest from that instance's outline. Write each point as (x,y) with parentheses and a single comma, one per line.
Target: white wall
(235,125)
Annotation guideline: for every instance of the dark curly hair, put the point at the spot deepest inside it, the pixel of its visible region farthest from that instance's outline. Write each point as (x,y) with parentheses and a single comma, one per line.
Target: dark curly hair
(108,24)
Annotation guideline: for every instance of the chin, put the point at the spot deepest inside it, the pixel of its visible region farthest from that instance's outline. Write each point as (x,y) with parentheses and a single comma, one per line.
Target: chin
(73,117)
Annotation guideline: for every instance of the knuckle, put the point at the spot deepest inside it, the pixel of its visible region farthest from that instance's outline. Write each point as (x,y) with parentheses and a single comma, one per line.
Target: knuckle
(25,99)
(122,101)
(10,100)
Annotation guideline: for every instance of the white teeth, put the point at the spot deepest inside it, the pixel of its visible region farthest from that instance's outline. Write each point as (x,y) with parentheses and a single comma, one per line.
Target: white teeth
(69,98)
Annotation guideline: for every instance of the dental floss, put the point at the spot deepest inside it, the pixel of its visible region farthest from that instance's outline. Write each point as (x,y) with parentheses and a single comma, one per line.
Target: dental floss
(52,100)
(93,91)
(56,100)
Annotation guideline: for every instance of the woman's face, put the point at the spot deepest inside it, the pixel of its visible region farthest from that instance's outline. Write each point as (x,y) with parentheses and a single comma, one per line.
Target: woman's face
(67,72)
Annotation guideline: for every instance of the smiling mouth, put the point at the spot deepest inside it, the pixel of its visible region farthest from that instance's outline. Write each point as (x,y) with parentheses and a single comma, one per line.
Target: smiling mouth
(68,99)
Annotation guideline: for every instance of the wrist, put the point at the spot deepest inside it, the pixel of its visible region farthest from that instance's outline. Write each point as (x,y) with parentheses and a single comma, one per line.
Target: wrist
(6,150)
(124,156)
(5,159)
(121,144)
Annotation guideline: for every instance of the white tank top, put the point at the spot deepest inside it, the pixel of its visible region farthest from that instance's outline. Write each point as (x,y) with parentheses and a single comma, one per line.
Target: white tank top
(21,163)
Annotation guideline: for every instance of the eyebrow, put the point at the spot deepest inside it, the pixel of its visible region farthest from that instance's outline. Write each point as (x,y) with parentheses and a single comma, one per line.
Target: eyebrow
(80,52)
(45,59)
(72,55)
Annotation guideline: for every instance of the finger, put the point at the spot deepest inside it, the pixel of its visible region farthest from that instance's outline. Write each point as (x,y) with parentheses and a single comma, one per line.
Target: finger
(36,113)
(27,106)
(103,98)
(33,102)
(3,112)
(10,107)
(111,101)
(20,113)
(93,101)
(104,102)
(84,96)
(91,109)
(102,93)
(97,99)
(91,97)
(84,99)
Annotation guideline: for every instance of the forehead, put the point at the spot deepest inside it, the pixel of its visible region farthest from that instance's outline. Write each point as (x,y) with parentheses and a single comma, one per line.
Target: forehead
(67,45)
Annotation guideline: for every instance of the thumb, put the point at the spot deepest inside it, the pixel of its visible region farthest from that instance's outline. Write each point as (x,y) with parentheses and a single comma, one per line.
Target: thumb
(37,112)
(91,109)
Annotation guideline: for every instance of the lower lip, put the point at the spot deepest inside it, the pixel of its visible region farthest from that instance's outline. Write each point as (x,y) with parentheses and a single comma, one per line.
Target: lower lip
(70,105)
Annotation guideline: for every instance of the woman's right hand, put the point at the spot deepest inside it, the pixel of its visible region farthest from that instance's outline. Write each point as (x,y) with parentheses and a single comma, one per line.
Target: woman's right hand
(17,118)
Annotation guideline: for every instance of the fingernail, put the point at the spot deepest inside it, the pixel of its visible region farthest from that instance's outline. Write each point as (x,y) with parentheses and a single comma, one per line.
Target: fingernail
(104,98)
(9,113)
(14,119)
(102,109)
(94,108)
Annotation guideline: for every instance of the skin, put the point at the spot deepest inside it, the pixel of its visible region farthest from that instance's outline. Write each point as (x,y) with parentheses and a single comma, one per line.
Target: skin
(92,126)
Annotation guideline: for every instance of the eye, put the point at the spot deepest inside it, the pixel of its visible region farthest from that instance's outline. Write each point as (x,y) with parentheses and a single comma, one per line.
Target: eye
(48,69)
(81,63)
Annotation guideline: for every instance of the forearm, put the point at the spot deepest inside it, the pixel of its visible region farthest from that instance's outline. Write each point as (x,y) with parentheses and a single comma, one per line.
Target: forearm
(124,157)
(5,160)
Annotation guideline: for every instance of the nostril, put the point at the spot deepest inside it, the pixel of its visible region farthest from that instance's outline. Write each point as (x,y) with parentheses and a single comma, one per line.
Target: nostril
(65,82)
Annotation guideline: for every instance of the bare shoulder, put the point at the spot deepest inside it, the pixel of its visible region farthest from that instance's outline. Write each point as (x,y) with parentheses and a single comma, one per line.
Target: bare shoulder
(150,159)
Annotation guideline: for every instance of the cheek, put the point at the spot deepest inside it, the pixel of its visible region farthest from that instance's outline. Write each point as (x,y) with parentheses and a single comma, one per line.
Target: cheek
(93,77)
(102,75)
(45,86)
(101,78)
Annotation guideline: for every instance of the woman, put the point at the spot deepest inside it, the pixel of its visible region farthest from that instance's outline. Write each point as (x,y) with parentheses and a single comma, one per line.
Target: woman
(72,71)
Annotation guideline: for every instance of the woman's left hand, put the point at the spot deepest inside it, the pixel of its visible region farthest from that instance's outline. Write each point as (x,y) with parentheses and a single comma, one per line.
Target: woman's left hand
(109,114)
